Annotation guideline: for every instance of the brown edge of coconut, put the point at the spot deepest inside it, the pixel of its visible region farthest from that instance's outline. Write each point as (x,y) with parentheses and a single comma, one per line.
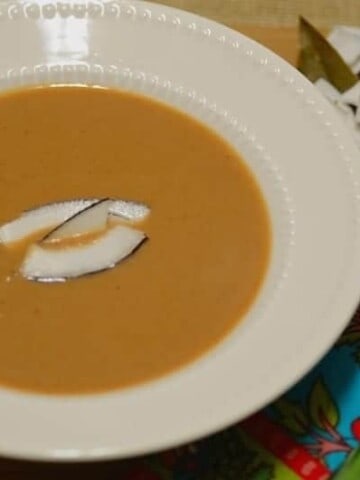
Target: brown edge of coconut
(48,236)
(93,272)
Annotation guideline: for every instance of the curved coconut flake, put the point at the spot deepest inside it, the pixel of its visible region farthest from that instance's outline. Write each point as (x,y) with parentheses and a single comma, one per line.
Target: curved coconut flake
(93,218)
(53,214)
(40,218)
(49,265)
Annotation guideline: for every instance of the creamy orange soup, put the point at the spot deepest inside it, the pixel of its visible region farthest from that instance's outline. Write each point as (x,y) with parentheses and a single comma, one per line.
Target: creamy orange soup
(193,280)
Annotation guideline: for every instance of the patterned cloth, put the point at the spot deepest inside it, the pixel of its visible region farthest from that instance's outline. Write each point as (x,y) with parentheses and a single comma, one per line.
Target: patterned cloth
(307,434)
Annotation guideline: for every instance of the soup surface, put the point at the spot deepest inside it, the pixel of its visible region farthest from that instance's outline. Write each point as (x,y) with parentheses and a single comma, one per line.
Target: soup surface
(186,287)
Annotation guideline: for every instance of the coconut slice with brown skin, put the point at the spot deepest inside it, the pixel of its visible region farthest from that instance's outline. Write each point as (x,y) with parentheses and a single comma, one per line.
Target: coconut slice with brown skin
(45,264)
(54,214)
(92,219)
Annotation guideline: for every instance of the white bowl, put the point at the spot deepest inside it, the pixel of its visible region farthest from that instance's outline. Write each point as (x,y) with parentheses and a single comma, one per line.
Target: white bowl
(306,163)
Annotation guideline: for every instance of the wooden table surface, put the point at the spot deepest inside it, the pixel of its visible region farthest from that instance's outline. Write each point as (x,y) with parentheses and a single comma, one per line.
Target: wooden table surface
(323,13)
(282,41)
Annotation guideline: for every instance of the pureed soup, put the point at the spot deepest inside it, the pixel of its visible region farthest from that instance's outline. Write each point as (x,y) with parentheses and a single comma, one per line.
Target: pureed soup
(123,291)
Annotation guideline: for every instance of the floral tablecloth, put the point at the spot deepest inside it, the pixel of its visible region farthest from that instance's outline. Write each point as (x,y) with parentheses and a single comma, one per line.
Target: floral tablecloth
(307,434)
